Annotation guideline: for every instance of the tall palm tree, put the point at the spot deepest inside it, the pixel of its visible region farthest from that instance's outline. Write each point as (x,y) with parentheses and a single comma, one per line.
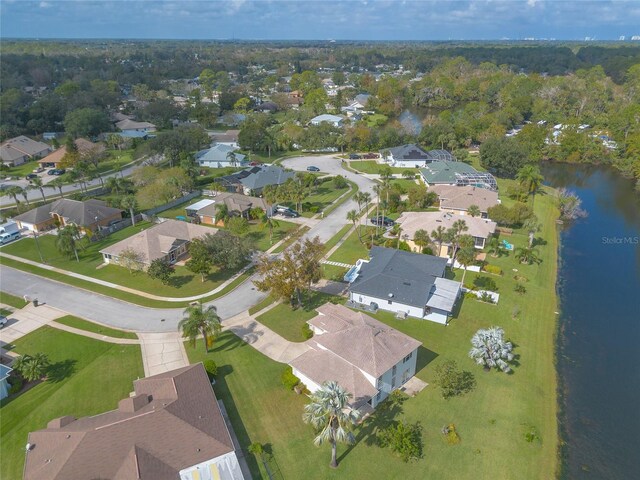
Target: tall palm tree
(532,226)
(222,212)
(329,413)
(466,256)
(491,350)
(439,235)
(233,160)
(531,179)
(130,203)
(13,192)
(474,211)
(354,216)
(200,321)
(495,247)
(421,238)
(32,367)
(57,183)
(269,222)
(66,241)
(25,194)
(36,184)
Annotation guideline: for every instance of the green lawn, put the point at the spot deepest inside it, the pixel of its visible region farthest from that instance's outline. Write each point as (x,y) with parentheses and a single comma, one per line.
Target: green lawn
(331,272)
(352,249)
(81,324)
(22,170)
(322,198)
(287,322)
(260,305)
(491,420)
(87,377)
(292,238)
(12,300)
(337,237)
(115,160)
(183,283)
(375,120)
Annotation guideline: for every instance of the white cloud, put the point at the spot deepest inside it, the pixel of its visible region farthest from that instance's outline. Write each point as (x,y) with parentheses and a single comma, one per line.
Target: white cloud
(45,4)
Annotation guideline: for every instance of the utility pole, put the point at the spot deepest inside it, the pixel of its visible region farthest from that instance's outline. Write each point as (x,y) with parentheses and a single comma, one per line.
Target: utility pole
(35,236)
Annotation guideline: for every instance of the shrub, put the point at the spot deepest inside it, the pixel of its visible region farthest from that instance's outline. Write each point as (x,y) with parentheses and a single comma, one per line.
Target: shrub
(237,225)
(404,439)
(306,331)
(16,385)
(453,381)
(289,380)
(470,295)
(211,368)
(450,434)
(486,298)
(493,269)
(519,288)
(531,433)
(427,251)
(313,209)
(339,182)
(485,283)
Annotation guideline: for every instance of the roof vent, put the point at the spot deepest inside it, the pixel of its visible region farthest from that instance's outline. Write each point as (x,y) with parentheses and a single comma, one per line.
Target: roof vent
(391,295)
(406,283)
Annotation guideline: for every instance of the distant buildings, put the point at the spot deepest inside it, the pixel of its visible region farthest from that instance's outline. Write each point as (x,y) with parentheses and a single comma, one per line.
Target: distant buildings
(20,149)
(334,120)
(220,156)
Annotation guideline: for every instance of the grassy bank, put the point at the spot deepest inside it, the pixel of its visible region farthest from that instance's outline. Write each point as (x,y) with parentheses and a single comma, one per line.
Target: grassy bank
(87,326)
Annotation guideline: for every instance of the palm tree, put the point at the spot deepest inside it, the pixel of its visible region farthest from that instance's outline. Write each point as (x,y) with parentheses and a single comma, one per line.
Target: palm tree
(531,179)
(455,233)
(421,238)
(329,413)
(354,216)
(130,203)
(57,183)
(32,367)
(532,226)
(13,192)
(466,256)
(66,241)
(199,321)
(474,211)
(269,222)
(222,212)
(491,350)
(495,247)
(25,194)
(36,184)
(439,235)
(527,255)
(233,160)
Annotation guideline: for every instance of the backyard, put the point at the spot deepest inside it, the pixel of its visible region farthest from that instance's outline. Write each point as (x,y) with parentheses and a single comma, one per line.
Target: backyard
(495,421)
(373,167)
(87,377)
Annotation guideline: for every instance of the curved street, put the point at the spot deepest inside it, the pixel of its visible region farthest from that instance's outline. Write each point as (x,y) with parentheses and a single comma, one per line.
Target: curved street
(120,314)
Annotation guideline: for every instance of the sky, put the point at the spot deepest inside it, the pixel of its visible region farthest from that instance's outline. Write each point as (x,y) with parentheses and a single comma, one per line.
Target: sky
(321,19)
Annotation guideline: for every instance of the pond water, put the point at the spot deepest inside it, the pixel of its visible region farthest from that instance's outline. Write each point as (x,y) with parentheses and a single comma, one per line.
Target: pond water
(411,121)
(599,336)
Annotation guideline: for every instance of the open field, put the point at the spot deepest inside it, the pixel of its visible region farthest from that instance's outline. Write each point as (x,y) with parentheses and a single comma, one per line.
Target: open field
(87,377)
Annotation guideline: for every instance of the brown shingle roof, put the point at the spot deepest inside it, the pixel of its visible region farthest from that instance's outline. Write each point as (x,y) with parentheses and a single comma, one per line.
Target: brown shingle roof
(81,213)
(179,426)
(411,222)
(84,147)
(361,340)
(462,197)
(155,242)
(235,202)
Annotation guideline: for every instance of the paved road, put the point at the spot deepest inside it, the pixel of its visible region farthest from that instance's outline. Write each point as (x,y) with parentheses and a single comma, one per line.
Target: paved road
(52,194)
(120,314)
(113,312)
(331,225)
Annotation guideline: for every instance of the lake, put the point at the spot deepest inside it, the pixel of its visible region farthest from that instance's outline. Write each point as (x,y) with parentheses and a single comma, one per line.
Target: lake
(599,325)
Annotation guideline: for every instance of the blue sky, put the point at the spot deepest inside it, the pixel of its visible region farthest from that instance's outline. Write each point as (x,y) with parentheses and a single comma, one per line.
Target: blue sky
(321,19)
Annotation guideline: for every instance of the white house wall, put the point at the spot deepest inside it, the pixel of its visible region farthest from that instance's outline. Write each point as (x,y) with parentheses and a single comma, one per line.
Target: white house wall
(224,467)
(438,316)
(310,384)
(384,305)
(386,380)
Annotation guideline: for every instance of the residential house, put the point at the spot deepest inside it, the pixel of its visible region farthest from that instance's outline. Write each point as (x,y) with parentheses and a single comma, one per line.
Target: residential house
(168,240)
(334,120)
(366,357)
(18,150)
(456,173)
(85,147)
(170,428)
(221,156)
(88,214)
(479,228)
(206,210)
(4,384)
(127,126)
(357,106)
(252,180)
(413,155)
(229,138)
(266,107)
(405,283)
(458,199)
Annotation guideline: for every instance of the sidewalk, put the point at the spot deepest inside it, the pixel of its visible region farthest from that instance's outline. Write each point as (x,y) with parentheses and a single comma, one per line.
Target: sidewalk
(26,320)
(127,289)
(97,336)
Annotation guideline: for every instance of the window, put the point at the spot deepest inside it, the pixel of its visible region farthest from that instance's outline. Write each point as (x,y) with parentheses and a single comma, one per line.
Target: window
(378,397)
(393,382)
(393,370)
(407,358)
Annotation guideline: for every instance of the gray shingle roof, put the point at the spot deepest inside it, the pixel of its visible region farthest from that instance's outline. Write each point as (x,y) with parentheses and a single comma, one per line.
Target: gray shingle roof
(80,213)
(218,153)
(404,277)
(410,151)
(444,172)
(266,175)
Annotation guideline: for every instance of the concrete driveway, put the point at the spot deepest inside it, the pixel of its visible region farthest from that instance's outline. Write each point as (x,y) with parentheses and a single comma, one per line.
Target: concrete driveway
(26,320)
(162,352)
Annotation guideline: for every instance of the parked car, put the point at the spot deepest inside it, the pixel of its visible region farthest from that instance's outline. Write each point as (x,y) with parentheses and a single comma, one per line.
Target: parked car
(290,213)
(381,221)
(354,156)
(3,321)
(370,155)
(254,164)
(57,171)
(311,168)
(38,170)
(8,237)
(31,176)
